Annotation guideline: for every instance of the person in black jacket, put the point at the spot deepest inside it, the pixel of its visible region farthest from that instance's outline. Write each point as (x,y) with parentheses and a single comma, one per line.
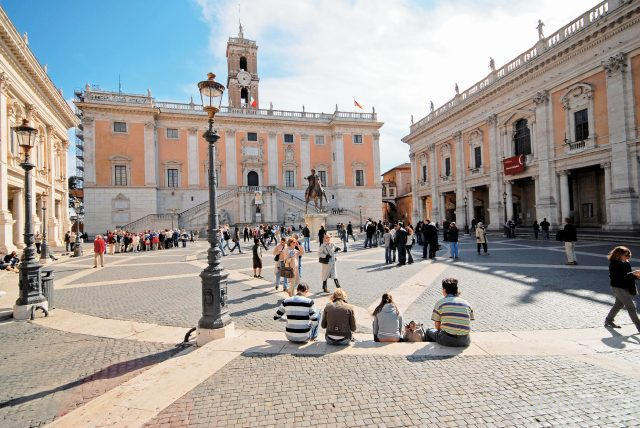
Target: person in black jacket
(570,236)
(453,240)
(623,285)
(429,240)
(401,242)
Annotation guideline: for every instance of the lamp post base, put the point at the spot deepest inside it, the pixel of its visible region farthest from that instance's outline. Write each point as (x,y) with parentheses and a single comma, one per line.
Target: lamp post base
(206,335)
(23,312)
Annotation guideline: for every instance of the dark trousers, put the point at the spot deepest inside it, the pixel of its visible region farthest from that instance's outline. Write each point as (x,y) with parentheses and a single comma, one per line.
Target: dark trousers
(624,299)
(484,246)
(433,247)
(402,254)
(445,339)
(409,256)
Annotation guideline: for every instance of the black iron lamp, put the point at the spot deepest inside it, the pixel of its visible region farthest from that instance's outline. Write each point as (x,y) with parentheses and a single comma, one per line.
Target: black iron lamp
(466,215)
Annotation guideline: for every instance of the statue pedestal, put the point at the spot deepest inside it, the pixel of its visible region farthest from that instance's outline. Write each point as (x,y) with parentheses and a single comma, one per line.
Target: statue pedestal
(314,221)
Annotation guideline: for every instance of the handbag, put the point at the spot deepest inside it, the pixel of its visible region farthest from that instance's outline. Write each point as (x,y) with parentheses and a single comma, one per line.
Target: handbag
(287,272)
(324,260)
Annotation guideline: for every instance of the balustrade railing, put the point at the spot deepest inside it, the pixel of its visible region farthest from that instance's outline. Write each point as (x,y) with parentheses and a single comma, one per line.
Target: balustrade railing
(570,30)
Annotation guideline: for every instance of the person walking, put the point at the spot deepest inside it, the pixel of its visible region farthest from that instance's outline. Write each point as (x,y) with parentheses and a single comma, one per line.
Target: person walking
(99,248)
(279,257)
(481,237)
(257,259)
(306,238)
(292,253)
(570,235)
(536,229)
(401,242)
(544,225)
(623,285)
(411,239)
(67,241)
(453,240)
(430,240)
(245,234)
(236,241)
(387,321)
(338,319)
(350,232)
(387,239)
(38,239)
(327,258)
(321,234)
(344,237)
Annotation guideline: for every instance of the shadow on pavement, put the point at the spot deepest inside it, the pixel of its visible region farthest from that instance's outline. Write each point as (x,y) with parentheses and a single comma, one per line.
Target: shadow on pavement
(619,341)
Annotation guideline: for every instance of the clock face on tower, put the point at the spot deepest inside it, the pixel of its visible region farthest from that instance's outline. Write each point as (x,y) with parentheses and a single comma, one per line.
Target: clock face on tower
(244,78)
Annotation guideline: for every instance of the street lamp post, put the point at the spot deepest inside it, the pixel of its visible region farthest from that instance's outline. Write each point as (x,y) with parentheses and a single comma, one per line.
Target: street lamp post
(215,322)
(77,249)
(30,279)
(466,215)
(504,202)
(360,207)
(44,257)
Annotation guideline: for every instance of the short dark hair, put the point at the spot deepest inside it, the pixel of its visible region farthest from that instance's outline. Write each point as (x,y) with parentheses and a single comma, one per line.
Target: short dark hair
(302,287)
(256,240)
(450,285)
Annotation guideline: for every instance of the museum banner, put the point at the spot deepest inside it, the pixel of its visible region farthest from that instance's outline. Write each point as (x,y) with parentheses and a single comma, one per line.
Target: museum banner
(513,165)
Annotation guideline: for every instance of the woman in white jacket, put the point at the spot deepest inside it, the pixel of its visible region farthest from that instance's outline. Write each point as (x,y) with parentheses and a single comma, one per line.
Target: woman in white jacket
(327,253)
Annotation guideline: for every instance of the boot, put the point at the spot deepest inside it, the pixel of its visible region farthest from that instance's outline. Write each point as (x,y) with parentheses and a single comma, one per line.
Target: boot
(337,283)
(324,287)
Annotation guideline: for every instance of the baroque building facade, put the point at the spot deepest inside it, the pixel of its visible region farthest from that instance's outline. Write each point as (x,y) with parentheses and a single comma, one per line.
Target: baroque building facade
(551,134)
(397,197)
(27,92)
(144,162)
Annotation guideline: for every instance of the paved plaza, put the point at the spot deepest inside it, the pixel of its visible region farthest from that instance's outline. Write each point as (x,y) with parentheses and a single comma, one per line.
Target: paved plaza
(110,353)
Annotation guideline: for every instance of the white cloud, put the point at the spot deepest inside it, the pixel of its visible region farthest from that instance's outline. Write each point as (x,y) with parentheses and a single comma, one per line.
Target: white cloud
(394,55)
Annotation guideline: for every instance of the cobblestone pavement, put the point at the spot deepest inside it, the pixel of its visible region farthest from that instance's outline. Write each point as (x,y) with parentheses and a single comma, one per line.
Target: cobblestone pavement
(334,391)
(46,373)
(521,285)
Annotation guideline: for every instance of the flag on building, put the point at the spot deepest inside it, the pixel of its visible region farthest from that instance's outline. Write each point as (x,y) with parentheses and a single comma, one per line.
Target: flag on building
(253,103)
(357,104)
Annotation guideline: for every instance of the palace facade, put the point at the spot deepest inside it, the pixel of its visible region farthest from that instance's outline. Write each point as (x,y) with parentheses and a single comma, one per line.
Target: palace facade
(551,134)
(144,162)
(27,92)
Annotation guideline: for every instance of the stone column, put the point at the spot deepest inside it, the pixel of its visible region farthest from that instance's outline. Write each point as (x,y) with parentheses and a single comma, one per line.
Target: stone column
(443,208)
(607,191)
(18,225)
(421,205)
(193,158)
(305,156)
(337,160)
(6,220)
(624,165)
(435,201)
(457,137)
(564,196)
(272,154)
(150,157)
(376,160)
(494,156)
(546,202)
(88,132)
(509,191)
(414,189)
(231,163)
(469,212)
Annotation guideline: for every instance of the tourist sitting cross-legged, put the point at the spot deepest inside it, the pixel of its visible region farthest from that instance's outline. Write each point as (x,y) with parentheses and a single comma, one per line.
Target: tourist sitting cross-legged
(452,316)
(387,321)
(338,319)
(302,317)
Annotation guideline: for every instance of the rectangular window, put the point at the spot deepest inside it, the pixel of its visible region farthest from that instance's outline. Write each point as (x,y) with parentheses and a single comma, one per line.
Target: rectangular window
(119,126)
(288,138)
(120,177)
(172,133)
(172,178)
(447,167)
(477,156)
(582,125)
(252,136)
(290,178)
(323,177)
(424,173)
(357,139)
(359,177)
(319,139)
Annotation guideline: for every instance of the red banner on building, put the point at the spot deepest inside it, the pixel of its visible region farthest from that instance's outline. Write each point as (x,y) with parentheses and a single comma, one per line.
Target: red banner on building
(513,165)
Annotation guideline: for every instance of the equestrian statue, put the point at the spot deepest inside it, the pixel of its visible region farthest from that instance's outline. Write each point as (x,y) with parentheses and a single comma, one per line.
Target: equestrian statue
(314,192)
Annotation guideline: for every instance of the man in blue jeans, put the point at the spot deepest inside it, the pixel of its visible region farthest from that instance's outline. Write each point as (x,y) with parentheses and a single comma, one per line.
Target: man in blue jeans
(306,234)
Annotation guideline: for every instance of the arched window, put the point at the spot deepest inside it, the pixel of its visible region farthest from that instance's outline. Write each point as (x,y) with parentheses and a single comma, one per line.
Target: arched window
(244,97)
(243,63)
(253,179)
(522,138)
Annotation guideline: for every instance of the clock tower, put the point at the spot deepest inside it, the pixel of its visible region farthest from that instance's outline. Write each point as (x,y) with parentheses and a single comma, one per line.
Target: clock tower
(242,65)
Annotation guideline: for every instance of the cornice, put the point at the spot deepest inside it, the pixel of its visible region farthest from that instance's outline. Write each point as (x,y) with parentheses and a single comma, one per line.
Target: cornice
(34,74)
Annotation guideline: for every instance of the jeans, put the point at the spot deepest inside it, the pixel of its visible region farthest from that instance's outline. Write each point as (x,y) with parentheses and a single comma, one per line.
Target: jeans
(455,250)
(446,339)
(387,255)
(221,248)
(299,266)
(570,250)
(334,342)
(285,283)
(344,243)
(402,255)
(433,247)
(545,234)
(237,245)
(226,244)
(624,299)
(306,244)
(409,256)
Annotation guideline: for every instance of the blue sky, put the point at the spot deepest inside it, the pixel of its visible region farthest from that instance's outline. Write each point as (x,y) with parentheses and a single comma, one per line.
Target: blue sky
(394,55)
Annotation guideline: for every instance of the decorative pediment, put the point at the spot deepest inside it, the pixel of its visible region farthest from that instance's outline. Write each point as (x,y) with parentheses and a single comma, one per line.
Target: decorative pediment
(580,93)
(519,114)
(445,149)
(475,136)
(289,157)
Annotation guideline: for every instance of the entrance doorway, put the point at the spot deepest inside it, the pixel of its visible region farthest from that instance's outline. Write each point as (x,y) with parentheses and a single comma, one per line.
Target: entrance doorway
(253,179)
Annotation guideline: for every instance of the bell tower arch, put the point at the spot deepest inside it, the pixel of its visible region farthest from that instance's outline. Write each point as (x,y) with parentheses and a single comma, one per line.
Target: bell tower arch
(242,67)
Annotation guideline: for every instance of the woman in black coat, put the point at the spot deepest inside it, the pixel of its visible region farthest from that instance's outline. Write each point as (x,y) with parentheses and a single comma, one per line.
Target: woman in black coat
(623,284)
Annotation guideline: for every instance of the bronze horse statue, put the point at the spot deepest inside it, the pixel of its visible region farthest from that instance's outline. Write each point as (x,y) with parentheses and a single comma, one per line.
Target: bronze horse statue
(314,192)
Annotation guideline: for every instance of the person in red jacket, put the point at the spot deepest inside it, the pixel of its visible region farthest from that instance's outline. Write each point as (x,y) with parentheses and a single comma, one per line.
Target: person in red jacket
(99,247)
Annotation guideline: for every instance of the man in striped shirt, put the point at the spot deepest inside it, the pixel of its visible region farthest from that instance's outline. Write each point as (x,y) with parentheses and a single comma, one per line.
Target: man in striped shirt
(302,317)
(452,317)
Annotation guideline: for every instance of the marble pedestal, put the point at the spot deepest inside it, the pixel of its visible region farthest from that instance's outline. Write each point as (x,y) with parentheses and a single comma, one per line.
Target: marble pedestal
(314,221)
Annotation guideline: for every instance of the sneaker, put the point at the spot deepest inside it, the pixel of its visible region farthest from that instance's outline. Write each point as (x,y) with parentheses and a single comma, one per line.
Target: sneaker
(611,324)
(260,277)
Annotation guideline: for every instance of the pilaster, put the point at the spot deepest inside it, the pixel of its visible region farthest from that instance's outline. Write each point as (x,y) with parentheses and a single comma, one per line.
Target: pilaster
(415,214)
(459,176)
(89,132)
(231,163)
(273,164)
(6,220)
(546,206)
(150,155)
(495,200)
(193,156)
(305,155)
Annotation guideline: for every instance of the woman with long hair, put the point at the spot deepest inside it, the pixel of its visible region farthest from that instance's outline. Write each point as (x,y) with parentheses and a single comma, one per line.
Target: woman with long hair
(327,257)
(623,285)
(387,321)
